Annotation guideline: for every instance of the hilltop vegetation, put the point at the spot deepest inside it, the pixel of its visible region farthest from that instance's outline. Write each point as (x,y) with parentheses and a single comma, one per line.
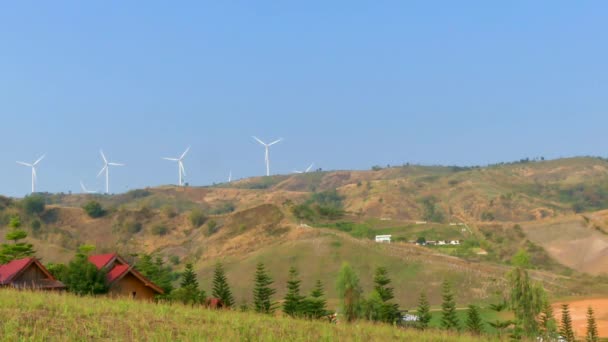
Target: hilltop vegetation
(317,220)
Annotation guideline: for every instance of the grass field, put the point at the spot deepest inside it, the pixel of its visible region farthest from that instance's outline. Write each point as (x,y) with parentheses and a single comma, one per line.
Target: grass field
(37,316)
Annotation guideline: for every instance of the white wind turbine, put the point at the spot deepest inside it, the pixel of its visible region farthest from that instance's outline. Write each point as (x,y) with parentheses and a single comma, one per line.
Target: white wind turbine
(106,168)
(33,166)
(85,190)
(305,171)
(230,176)
(181,171)
(267,158)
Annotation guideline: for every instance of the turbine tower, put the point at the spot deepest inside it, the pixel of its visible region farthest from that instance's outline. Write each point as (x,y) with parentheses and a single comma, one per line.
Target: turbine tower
(106,168)
(267,158)
(33,166)
(230,177)
(181,171)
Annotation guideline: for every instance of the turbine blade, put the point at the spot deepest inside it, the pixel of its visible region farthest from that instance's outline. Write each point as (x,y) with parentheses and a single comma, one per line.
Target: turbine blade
(25,164)
(83,187)
(310,167)
(171,159)
(276,141)
(102,170)
(39,159)
(116,164)
(181,167)
(103,156)
(260,141)
(184,154)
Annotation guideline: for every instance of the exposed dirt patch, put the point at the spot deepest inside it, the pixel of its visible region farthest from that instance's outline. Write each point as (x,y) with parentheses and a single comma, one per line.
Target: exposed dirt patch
(578,311)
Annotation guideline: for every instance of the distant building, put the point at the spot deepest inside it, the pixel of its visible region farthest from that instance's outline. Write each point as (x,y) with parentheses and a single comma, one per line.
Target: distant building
(441,242)
(431,242)
(123,280)
(409,318)
(454,242)
(383,238)
(28,273)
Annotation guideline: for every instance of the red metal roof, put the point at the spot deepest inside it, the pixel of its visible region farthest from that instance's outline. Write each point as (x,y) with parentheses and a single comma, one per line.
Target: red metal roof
(117,272)
(8,271)
(101,260)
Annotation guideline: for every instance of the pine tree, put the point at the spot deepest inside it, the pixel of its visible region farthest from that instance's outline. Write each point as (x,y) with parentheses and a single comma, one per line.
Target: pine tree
(423,312)
(189,293)
(262,291)
(221,289)
(156,270)
(592,334)
(293,301)
(547,323)
(389,312)
(315,306)
(16,249)
(566,327)
(474,322)
(449,320)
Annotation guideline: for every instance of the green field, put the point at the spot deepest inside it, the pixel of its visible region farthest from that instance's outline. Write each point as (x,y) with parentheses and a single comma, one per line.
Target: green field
(37,316)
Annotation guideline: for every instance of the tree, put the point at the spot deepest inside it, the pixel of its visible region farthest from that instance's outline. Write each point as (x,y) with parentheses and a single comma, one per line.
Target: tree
(262,291)
(592,334)
(526,300)
(474,323)
(188,292)
(33,204)
(388,312)
(521,259)
(423,312)
(221,289)
(449,320)
(315,306)
(82,277)
(197,218)
(292,303)
(349,292)
(154,268)
(16,249)
(94,209)
(547,323)
(565,330)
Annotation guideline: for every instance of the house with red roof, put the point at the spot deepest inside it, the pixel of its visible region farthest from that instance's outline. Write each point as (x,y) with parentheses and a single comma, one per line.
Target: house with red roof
(28,273)
(124,280)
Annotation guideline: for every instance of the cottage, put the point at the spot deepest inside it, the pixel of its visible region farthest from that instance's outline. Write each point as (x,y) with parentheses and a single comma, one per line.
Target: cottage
(383,238)
(28,273)
(123,279)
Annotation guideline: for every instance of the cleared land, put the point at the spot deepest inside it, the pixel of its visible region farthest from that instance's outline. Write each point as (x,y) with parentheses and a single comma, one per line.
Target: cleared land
(578,311)
(35,316)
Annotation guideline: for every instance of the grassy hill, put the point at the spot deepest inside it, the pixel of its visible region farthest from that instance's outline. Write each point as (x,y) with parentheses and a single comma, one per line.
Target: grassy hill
(551,209)
(36,316)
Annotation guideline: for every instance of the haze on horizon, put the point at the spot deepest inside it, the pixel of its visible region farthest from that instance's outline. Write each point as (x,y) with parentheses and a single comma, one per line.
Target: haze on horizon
(348,85)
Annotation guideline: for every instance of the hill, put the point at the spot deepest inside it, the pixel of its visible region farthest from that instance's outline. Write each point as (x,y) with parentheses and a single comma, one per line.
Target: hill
(318,220)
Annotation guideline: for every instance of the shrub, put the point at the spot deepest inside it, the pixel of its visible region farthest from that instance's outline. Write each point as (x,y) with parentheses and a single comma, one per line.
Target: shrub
(94,209)
(133,227)
(174,259)
(36,226)
(160,229)
(212,227)
(197,218)
(169,211)
(33,204)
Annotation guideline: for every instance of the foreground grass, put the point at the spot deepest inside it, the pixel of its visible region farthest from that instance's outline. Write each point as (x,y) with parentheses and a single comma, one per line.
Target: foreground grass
(37,316)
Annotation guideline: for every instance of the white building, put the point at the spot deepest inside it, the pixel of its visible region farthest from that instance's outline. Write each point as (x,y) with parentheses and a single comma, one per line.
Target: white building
(455,242)
(383,238)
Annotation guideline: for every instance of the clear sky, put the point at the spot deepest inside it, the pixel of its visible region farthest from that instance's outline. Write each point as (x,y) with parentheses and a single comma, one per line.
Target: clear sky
(348,84)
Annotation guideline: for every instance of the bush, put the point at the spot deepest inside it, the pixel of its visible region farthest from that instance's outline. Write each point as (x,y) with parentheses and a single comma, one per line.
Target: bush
(94,209)
(133,227)
(160,229)
(197,218)
(174,259)
(169,211)
(212,227)
(33,204)
(36,226)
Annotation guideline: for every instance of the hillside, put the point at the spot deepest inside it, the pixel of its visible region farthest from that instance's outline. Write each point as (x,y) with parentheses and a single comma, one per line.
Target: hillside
(551,209)
(40,316)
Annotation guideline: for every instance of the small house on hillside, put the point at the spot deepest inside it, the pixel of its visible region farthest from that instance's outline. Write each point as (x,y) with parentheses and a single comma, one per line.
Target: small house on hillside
(123,280)
(383,238)
(28,273)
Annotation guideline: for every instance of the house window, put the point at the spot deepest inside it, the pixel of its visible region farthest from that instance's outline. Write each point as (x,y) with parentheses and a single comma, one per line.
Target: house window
(133,294)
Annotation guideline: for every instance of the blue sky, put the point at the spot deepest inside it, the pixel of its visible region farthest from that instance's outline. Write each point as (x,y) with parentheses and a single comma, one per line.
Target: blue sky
(348,84)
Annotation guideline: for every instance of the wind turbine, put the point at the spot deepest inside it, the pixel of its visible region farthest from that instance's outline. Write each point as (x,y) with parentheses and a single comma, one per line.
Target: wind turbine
(106,168)
(85,190)
(230,176)
(267,158)
(181,171)
(305,171)
(33,166)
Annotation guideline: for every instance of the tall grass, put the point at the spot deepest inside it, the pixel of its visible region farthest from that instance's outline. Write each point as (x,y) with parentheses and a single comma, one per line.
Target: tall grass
(38,316)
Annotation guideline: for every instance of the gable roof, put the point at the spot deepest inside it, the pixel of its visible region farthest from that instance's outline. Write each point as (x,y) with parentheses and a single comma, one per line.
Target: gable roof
(119,269)
(11,271)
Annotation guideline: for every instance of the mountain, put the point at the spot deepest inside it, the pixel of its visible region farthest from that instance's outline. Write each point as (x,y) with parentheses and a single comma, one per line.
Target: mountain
(554,210)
